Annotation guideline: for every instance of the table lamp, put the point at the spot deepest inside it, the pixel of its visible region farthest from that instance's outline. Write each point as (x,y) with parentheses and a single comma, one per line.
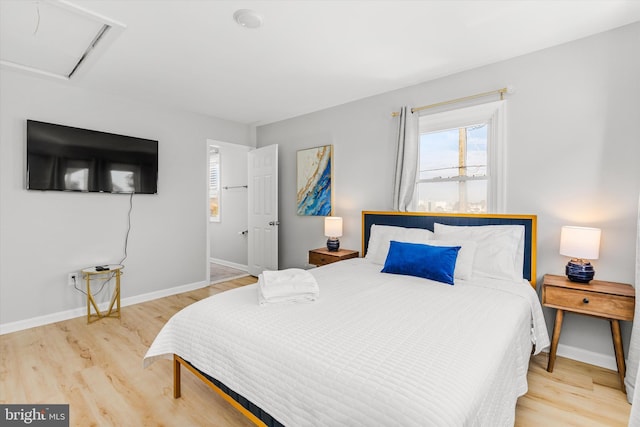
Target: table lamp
(333,230)
(581,244)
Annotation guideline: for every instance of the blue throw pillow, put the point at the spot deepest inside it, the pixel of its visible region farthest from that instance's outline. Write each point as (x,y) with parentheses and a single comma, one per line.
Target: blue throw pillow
(414,259)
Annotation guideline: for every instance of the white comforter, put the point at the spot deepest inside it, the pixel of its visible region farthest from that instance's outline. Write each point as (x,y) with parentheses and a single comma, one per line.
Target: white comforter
(374,349)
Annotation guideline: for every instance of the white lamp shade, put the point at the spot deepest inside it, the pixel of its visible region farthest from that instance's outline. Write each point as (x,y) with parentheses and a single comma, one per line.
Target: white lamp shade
(333,226)
(580,242)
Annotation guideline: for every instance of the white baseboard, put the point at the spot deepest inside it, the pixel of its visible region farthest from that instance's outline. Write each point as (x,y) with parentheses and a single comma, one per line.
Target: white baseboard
(242,267)
(6,328)
(586,356)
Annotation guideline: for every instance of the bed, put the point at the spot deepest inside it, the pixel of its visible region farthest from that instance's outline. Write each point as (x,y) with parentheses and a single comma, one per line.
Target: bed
(379,348)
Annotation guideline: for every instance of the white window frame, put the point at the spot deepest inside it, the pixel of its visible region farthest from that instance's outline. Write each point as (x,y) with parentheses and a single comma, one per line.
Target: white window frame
(494,115)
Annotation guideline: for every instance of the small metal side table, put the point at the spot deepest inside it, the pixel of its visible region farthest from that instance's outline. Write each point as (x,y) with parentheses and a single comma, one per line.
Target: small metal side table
(115,270)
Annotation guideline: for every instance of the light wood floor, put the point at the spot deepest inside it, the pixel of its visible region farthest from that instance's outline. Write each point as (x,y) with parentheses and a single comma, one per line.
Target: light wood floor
(221,273)
(97,369)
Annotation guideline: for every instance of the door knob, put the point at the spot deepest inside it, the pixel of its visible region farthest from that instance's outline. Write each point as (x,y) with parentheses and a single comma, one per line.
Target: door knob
(274,222)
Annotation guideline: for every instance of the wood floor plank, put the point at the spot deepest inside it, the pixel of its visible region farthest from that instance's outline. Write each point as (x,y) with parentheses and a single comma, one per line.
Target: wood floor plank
(571,395)
(97,369)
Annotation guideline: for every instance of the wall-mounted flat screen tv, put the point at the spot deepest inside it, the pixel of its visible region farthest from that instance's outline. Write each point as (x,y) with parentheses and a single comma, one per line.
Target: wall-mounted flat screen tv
(66,158)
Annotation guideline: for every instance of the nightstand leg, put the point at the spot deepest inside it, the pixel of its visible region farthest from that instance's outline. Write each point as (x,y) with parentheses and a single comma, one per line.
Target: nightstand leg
(554,341)
(617,346)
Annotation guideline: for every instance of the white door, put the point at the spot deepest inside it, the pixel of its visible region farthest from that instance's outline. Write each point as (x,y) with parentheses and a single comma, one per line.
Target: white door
(263,209)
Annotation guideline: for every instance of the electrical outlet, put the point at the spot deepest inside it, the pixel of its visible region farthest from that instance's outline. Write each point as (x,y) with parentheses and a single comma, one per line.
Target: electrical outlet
(73,278)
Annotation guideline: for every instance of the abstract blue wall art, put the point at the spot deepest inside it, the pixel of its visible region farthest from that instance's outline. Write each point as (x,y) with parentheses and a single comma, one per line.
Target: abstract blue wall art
(314,181)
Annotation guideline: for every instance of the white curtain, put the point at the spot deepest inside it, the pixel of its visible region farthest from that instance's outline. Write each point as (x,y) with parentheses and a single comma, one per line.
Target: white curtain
(406,160)
(632,379)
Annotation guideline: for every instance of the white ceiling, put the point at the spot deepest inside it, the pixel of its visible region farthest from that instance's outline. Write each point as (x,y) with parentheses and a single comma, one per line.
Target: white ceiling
(310,55)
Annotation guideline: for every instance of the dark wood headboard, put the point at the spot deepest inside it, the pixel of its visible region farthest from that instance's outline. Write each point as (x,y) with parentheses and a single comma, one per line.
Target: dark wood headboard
(427,219)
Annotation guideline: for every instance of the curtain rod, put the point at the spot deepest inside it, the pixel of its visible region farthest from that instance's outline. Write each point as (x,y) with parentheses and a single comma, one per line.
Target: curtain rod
(453,101)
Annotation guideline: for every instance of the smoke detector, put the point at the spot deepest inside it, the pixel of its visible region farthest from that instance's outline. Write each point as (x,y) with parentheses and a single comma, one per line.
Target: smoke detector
(247,18)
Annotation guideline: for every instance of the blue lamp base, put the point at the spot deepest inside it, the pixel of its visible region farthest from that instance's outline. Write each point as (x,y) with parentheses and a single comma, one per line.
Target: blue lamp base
(579,270)
(333,244)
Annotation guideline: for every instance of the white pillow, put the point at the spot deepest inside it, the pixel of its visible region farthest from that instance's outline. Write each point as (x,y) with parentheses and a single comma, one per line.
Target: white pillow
(466,255)
(381,235)
(500,251)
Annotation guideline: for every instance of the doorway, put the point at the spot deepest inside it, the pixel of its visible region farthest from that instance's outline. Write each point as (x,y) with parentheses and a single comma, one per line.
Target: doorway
(227,211)
(222,273)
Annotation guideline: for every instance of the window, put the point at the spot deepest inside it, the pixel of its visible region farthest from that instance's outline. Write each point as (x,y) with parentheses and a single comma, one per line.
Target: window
(452,176)
(123,181)
(214,183)
(460,161)
(123,177)
(76,179)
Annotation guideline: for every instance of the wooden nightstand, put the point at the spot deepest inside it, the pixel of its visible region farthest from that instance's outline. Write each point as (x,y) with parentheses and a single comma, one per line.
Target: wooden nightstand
(323,256)
(607,300)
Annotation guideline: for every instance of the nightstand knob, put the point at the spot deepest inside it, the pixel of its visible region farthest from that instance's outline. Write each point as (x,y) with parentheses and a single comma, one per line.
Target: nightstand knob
(585,300)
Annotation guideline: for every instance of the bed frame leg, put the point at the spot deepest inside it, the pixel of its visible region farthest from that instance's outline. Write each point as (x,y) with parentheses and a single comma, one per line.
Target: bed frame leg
(176,377)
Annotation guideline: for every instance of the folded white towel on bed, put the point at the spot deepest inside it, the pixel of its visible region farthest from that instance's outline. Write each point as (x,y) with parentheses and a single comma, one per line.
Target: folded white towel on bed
(290,285)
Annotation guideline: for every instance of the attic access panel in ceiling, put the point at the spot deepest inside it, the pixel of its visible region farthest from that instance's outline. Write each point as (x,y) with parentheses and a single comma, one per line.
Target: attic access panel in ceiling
(52,37)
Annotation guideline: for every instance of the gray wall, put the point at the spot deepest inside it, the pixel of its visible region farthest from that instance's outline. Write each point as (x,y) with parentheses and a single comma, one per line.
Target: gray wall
(573,157)
(46,235)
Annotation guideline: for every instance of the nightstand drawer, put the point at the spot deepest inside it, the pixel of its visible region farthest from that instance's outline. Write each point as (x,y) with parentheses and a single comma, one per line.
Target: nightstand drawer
(321,259)
(322,256)
(593,303)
